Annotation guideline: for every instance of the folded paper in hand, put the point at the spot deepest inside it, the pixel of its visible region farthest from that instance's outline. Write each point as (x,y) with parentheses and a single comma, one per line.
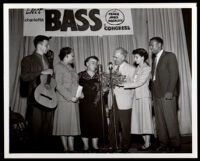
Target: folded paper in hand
(79,91)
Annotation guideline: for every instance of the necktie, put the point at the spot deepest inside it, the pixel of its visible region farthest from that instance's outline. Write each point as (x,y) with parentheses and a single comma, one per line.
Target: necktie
(117,69)
(154,68)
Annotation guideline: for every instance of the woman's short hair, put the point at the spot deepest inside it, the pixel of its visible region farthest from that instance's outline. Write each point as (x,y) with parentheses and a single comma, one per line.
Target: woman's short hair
(64,51)
(142,52)
(90,57)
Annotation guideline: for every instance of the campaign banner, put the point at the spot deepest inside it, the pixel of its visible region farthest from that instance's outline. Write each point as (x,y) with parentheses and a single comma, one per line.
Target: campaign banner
(77,22)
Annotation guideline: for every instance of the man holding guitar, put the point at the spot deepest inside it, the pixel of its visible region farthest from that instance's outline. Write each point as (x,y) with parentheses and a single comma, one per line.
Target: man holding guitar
(40,119)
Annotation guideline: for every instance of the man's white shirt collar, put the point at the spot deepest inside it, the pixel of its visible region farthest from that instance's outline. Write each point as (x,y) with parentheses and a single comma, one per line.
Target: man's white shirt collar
(159,55)
(157,59)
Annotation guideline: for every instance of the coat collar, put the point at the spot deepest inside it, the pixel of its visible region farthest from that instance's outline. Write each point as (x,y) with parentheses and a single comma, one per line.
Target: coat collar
(161,57)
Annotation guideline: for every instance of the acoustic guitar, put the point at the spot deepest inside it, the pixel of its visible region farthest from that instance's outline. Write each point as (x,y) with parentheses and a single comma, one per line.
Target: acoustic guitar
(45,92)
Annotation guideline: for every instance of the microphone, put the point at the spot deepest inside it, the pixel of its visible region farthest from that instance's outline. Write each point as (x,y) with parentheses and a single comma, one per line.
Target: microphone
(100,68)
(49,52)
(110,65)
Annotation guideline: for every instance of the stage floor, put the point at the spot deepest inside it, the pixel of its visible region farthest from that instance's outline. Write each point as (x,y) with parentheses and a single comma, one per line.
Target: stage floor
(54,146)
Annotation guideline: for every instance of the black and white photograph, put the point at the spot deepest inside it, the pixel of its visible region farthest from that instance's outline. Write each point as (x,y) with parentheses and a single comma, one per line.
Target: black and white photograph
(105,80)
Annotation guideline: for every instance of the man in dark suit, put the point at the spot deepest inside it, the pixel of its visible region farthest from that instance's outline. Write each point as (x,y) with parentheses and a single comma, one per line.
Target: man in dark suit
(164,91)
(40,120)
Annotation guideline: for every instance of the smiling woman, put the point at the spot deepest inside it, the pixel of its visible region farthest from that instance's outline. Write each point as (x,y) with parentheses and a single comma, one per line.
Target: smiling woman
(92,109)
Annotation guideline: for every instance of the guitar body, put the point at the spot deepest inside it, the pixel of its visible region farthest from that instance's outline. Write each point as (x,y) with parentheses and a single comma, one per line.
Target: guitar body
(45,94)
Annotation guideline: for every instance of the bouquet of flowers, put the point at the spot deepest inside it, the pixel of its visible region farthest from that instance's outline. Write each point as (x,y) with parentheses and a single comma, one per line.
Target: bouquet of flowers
(117,79)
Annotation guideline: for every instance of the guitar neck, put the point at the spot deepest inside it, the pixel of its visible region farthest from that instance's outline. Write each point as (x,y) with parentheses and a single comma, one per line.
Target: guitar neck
(48,79)
(50,57)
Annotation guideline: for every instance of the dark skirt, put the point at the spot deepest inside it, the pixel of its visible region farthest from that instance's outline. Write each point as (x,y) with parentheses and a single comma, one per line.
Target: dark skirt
(91,118)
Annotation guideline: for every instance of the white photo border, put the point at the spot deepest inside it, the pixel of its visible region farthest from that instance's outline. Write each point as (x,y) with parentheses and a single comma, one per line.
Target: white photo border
(192,6)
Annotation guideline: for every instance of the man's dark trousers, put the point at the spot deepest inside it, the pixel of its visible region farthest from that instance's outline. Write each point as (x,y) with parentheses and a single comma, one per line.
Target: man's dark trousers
(167,122)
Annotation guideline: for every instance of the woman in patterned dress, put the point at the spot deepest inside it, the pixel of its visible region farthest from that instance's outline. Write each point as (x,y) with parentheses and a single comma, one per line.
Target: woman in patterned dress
(92,123)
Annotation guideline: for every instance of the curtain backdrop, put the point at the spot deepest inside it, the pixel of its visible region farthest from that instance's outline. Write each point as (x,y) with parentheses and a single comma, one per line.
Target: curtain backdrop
(147,23)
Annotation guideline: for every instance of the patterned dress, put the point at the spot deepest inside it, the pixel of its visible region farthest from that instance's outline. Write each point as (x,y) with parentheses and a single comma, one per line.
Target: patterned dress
(90,107)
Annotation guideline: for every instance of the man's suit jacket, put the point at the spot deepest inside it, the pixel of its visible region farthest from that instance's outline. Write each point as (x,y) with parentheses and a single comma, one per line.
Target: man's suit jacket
(124,97)
(31,68)
(166,75)
(141,82)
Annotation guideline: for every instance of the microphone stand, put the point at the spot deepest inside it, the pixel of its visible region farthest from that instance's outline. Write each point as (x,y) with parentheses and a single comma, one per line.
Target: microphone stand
(113,109)
(101,103)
